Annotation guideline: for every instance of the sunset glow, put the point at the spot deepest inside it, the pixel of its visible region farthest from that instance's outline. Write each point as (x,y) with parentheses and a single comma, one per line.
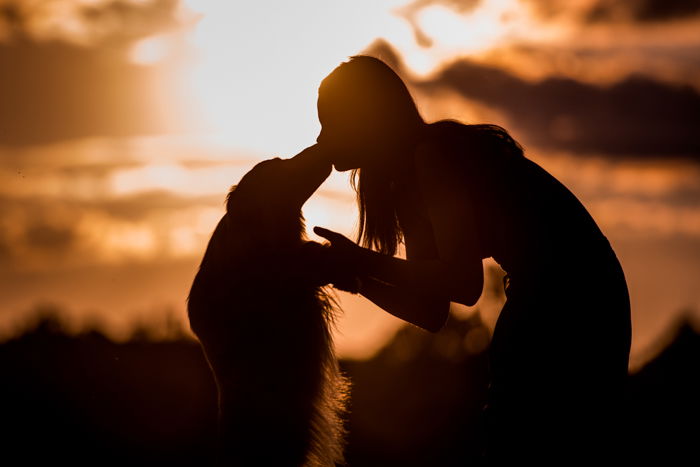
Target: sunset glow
(151,50)
(258,65)
(249,78)
(179,100)
(124,125)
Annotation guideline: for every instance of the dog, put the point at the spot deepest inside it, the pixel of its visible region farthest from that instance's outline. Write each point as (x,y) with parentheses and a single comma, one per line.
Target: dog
(264,319)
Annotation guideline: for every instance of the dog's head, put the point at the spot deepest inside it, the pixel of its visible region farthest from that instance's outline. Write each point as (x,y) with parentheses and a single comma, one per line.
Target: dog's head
(273,192)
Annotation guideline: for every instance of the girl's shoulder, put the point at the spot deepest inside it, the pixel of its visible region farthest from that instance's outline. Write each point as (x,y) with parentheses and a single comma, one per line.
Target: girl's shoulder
(462,136)
(458,145)
(443,137)
(444,131)
(445,156)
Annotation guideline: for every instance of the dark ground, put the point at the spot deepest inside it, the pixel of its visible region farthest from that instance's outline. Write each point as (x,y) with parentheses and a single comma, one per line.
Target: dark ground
(85,400)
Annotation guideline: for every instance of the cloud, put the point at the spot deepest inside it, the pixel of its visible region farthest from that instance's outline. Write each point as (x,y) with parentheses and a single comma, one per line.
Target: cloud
(45,236)
(36,232)
(66,72)
(637,116)
(536,39)
(608,11)
(411,11)
(601,64)
(460,6)
(653,218)
(41,233)
(643,10)
(140,205)
(53,91)
(87,22)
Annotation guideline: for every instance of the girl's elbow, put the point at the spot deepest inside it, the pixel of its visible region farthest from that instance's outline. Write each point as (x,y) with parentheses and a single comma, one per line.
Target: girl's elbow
(437,318)
(467,296)
(470,300)
(466,288)
(436,326)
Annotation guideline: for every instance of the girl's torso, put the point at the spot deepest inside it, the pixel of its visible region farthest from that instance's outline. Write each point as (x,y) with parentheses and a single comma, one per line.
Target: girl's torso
(532,225)
(526,219)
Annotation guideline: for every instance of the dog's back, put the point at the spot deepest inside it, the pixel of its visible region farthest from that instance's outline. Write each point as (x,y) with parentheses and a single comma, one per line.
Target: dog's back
(281,394)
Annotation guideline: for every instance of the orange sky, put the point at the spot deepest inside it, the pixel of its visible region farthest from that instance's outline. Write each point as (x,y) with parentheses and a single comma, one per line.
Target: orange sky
(124,123)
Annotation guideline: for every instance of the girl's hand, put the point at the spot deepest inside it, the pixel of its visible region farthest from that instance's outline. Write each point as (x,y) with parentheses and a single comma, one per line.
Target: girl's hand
(344,250)
(343,256)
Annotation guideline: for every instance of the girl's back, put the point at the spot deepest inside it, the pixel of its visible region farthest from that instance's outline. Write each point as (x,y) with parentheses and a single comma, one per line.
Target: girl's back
(561,344)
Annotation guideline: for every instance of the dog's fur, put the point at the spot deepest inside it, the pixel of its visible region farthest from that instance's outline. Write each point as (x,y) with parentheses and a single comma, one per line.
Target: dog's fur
(258,306)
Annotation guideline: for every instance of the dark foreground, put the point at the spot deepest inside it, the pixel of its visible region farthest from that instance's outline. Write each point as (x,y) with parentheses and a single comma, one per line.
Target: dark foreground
(85,400)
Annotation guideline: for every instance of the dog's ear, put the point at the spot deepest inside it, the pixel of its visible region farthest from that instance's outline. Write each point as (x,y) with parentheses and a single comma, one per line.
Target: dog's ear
(237,205)
(230,196)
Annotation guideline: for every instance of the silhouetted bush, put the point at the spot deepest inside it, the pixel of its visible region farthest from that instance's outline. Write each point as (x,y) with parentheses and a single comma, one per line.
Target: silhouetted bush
(86,400)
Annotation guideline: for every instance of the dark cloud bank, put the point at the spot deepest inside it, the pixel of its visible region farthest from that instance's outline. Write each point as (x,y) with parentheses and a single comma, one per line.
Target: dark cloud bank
(643,10)
(611,11)
(52,90)
(593,12)
(639,116)
(56,91)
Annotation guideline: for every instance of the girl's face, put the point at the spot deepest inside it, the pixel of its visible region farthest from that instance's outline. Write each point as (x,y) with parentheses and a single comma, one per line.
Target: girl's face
(351,135)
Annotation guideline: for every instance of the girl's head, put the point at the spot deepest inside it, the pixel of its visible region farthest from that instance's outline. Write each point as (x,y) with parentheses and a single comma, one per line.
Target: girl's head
(370,125)
(368,119)
(366,113)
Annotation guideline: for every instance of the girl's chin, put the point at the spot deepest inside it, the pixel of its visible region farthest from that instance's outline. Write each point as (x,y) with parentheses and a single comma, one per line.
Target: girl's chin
(343,167)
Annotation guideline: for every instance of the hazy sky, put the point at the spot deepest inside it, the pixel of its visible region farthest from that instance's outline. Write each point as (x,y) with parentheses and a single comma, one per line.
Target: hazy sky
(124,122)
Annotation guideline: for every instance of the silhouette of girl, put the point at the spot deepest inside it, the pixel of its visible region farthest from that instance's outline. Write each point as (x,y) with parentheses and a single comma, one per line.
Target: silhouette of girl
(456,194)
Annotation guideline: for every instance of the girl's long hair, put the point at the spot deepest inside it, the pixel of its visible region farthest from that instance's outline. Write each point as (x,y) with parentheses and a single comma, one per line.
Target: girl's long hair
(371,80)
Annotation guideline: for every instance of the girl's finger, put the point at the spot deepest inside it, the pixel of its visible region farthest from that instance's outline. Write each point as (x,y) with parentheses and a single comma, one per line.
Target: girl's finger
(328,234)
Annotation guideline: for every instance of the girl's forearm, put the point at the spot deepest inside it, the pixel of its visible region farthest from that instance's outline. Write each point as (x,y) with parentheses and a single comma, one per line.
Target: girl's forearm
(429,313)
(433,278)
